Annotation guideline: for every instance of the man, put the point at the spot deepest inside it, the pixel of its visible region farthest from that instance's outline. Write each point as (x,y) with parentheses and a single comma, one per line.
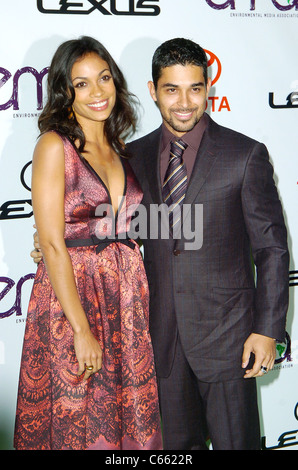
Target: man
(207,317)
(213,329)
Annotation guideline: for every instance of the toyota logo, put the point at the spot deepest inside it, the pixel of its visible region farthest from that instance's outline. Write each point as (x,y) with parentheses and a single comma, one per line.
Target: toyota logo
(214,62)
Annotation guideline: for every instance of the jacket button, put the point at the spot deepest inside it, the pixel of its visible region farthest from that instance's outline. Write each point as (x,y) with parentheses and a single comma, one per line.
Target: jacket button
(177,252)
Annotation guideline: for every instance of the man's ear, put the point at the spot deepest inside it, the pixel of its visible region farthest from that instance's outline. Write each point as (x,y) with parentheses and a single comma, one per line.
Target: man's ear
(152,92)
(208,85)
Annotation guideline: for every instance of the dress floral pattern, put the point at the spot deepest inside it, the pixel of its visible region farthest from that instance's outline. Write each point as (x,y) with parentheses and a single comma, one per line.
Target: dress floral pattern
(117,408)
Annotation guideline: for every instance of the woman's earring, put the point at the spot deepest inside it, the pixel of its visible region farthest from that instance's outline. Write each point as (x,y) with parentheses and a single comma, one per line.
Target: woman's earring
(70,112)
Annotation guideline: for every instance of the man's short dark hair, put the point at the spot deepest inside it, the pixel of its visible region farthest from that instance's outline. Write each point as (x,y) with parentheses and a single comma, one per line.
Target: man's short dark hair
(178,51)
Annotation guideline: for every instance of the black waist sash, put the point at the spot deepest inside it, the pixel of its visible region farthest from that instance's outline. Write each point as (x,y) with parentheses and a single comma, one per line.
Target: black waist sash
(101,244)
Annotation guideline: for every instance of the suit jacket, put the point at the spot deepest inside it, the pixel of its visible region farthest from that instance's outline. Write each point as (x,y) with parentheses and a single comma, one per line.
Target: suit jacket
(209,294)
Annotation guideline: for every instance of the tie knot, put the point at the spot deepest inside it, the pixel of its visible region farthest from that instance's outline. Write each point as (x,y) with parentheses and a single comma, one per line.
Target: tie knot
(178,147)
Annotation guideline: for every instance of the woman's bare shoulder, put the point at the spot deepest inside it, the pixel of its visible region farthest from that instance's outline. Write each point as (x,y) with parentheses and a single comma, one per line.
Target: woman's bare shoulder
(49,143)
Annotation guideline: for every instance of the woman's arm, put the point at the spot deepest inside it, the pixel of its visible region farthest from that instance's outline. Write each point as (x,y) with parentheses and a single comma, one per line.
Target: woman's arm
(48,206)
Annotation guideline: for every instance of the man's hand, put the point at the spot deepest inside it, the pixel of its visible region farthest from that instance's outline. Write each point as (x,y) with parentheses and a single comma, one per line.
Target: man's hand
(264,350)
(36,253)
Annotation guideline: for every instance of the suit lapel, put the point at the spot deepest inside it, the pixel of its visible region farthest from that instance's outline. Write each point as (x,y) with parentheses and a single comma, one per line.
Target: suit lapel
(205,160)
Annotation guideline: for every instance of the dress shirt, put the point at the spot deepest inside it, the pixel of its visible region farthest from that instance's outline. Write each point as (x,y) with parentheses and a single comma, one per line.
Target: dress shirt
(192,139)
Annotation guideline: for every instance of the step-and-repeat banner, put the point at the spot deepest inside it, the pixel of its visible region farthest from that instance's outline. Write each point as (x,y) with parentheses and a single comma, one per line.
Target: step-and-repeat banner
(252,50)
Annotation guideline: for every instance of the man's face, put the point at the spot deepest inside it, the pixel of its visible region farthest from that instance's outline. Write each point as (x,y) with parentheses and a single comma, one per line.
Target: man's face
(181,96)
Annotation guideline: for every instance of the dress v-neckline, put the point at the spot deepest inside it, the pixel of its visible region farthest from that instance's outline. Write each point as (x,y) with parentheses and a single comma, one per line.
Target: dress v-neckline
(90,167)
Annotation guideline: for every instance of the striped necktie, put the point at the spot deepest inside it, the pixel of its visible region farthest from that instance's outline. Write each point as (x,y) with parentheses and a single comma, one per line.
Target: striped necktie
(175,183)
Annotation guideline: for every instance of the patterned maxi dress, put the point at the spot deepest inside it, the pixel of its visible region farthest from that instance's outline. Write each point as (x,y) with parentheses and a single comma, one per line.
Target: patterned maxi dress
(117,408)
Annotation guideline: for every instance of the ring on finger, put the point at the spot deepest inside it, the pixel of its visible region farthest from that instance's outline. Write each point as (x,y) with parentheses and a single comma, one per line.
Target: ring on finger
(90,368)
(264,369)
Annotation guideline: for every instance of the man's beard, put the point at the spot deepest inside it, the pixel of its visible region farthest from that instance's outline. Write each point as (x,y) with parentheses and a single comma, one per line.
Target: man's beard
(186,126)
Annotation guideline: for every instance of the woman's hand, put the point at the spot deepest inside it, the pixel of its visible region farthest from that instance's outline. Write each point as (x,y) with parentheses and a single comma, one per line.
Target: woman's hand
(88,353)
(36,253)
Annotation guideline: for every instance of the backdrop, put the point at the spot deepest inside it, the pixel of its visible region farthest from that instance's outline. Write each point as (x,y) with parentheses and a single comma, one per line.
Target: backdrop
(252,47)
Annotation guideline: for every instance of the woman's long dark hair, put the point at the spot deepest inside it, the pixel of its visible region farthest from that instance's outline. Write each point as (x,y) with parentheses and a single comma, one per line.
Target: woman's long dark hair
(57,114)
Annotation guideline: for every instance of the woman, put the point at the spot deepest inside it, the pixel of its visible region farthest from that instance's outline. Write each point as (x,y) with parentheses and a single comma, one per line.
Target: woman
(87,378)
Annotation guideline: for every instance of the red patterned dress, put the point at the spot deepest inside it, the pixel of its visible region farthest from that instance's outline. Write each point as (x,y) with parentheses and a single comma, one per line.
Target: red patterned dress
(117,408)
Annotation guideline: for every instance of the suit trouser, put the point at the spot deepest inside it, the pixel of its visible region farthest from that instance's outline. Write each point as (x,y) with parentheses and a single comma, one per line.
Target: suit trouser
(193,411)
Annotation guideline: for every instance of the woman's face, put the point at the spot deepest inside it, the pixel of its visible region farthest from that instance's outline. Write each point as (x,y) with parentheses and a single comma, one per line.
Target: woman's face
(95,92)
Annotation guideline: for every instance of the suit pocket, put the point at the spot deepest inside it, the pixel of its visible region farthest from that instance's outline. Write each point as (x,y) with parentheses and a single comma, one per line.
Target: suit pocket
(216,193)
(231,319)
(234,297)
(233,307)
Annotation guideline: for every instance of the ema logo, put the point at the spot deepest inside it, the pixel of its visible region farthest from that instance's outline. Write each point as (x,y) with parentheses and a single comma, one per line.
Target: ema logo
(105,7)
(14,100)
(17,304)
(281,5)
